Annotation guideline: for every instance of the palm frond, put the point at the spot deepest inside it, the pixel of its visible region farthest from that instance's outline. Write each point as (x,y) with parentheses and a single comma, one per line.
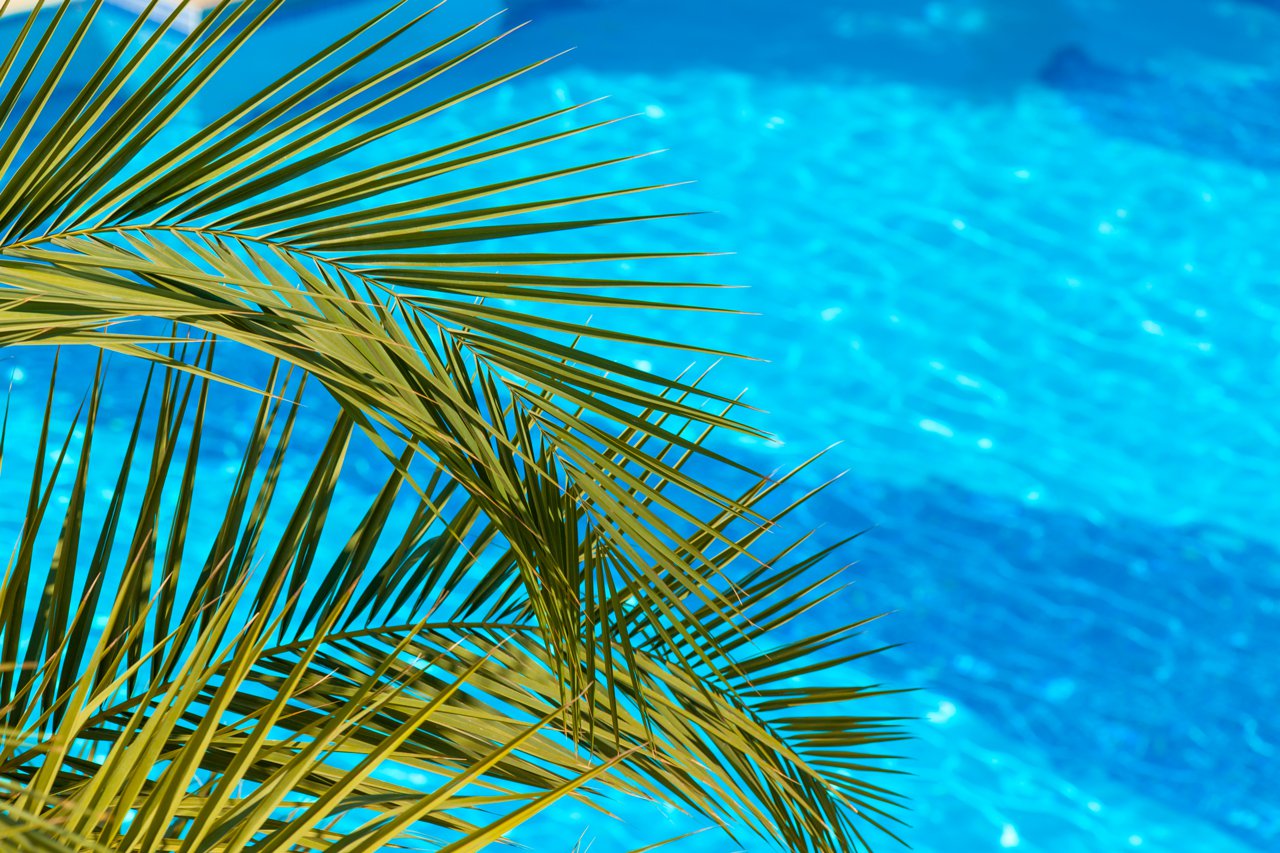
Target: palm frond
(245,704)
(110,229)
(544,598)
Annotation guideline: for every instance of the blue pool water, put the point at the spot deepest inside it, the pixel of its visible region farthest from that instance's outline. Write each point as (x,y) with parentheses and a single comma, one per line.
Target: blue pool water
(1040,314)
(1016,257)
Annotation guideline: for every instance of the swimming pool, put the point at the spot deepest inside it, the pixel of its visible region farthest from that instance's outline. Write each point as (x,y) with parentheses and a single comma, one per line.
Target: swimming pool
(1038,309)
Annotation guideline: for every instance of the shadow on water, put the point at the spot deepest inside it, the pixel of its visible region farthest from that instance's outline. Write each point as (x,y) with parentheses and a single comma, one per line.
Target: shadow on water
(975,47)
(1223,121)
(1121,648)
(1136,70)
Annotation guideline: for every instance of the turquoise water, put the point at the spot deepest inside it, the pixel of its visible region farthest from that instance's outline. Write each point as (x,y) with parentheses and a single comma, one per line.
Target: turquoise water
(1039,312)
(1041,319)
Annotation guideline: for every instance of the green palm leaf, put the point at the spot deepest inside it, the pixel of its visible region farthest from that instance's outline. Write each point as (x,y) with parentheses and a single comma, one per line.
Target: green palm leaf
(542,600)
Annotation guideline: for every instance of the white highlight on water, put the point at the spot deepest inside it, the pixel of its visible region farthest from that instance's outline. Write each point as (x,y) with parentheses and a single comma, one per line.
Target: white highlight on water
(946,710)
(933,426)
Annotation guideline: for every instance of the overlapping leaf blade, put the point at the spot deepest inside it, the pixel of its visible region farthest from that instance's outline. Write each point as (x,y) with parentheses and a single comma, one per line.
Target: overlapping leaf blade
(558,539)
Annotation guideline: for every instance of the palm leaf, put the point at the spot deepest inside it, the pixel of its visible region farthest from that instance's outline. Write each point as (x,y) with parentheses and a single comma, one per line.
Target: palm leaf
(245,706)
(76,264)
(542,575)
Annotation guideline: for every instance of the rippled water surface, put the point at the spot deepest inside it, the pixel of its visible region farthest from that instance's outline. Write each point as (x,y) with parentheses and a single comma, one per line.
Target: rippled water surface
(1042,321)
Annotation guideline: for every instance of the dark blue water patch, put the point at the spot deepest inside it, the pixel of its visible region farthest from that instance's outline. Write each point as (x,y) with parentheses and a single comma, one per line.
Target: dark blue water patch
(291,36)
(294,34)
(1217,121)
(970,46)
(540,8)
(1128,651)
